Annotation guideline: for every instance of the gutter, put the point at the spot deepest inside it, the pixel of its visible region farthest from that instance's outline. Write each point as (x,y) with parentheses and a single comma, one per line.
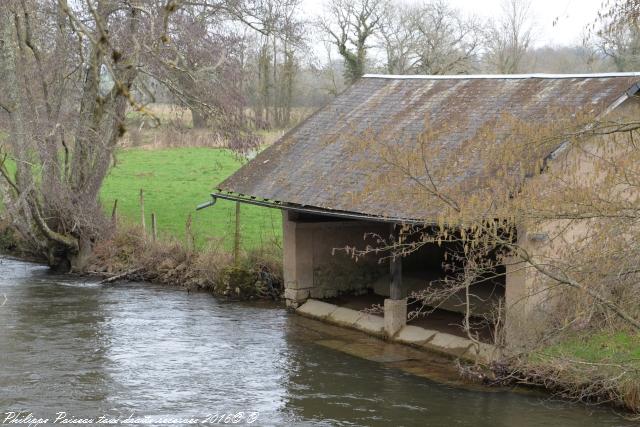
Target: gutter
(304,209)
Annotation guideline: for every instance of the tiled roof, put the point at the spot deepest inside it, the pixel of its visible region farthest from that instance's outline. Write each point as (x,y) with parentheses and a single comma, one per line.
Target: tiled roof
(315,164)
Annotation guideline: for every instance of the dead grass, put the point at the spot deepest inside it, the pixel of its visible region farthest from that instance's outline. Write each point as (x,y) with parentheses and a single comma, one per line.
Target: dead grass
(169,126)
(258,274)
(170,137)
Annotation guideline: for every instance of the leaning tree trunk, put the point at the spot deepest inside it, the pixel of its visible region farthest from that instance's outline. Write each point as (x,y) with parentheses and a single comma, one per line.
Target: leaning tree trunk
(53,197)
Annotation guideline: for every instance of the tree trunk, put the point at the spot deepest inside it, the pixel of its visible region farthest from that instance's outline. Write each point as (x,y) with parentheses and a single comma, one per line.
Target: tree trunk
(54,197)
(59,258)
(78,261)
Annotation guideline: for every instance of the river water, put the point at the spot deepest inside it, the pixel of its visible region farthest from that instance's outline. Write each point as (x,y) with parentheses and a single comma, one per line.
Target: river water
(135,350)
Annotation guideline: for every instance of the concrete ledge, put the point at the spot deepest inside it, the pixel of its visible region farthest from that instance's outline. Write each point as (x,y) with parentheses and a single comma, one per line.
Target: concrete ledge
(415,336)
(316,309)
(345,316)
(341,316)
(449,344)
(371,324)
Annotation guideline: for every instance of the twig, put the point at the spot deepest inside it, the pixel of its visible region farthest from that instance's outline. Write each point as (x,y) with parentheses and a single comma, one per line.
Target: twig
(122,276)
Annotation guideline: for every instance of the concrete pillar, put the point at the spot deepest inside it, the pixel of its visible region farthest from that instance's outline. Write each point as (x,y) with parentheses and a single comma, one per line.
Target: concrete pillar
(395,315)
(298,260)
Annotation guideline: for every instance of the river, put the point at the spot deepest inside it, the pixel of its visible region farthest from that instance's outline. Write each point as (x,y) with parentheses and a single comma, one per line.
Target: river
(135,350)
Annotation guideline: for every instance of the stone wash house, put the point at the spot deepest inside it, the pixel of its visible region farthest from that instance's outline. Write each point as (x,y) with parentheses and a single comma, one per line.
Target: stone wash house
(329,197)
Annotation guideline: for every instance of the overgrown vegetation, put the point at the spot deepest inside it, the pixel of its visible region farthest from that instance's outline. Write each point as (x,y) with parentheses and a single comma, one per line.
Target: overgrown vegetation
(131,255)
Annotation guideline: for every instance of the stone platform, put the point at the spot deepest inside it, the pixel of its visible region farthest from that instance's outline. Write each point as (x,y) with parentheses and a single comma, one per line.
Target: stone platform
(415,336)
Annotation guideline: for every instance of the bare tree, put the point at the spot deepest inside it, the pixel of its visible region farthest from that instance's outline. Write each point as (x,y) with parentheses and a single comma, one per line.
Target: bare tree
(509,38)
(279,35)
(69,70)
(350,26)
(616,34)
(330,72)
(60,60)
(445,42)
(200,64)
(398,39)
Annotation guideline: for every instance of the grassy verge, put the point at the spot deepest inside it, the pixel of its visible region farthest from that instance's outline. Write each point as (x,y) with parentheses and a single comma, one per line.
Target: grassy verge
(175,180)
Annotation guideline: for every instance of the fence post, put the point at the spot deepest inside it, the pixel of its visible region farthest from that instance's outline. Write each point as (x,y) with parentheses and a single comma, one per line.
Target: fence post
(114,213)
(154,228)
(144,227)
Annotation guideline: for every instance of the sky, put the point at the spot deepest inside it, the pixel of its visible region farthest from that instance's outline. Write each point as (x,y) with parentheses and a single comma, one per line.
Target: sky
(572,16)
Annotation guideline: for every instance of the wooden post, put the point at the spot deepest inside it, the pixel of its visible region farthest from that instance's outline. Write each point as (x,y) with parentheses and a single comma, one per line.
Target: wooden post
(236,240)
(154,228)
(144,227)
(114,212)
(396,292)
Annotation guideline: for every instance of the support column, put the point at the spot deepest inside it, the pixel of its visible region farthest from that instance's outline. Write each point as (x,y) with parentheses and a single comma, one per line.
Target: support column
(395,307)
(298,261)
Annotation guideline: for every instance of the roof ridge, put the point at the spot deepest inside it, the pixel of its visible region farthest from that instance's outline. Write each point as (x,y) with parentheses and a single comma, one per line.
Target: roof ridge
(500,76)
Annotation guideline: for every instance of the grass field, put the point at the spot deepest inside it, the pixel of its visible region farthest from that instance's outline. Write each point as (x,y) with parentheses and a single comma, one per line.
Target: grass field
(175,180)
(178,167)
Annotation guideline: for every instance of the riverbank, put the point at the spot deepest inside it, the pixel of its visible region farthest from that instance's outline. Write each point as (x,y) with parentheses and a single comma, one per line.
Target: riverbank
(595,367)
(131,255)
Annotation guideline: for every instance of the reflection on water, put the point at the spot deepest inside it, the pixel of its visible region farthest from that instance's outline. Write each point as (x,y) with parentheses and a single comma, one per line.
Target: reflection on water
(75,346)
